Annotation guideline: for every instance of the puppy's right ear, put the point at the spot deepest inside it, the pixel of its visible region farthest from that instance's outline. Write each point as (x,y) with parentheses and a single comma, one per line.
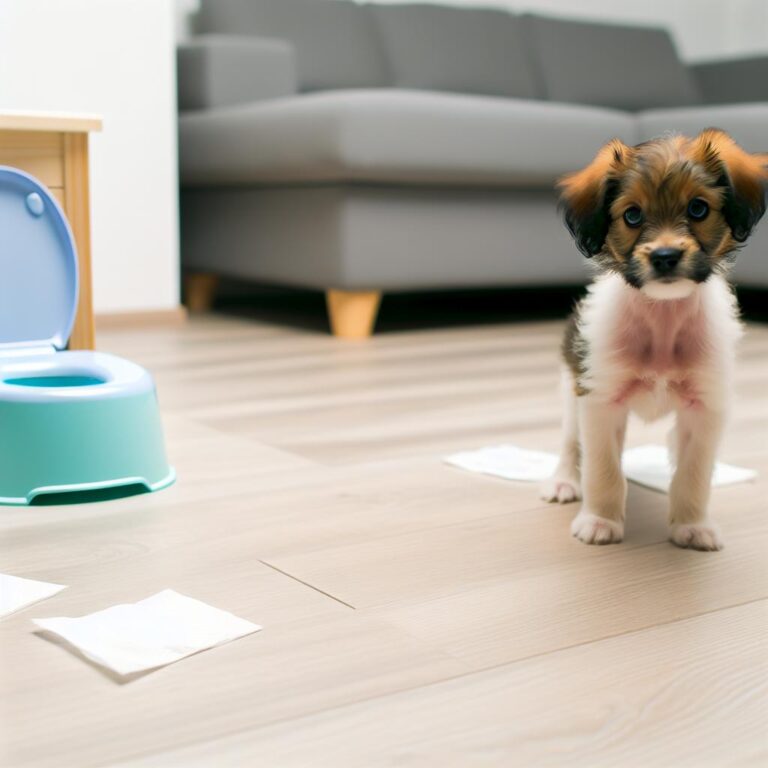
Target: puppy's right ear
(586,196)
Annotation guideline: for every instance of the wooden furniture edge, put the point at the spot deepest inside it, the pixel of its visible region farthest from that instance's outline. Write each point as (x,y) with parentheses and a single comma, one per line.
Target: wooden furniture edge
(172,317)
(49,121)
(78,209)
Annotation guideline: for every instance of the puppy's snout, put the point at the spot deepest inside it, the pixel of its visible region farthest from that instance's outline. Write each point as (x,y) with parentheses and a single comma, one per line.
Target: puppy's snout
(665,260)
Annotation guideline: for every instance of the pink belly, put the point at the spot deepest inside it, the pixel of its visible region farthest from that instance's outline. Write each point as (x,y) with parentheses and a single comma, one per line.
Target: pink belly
(684,391)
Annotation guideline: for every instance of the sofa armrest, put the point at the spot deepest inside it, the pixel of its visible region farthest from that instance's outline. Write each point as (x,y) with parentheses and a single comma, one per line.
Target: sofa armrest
(734,81)
(221,70)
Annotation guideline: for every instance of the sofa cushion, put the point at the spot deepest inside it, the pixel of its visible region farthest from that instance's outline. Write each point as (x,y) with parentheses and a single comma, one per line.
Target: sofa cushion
(395,136)
(625,67)
(336,41)
(747,123)
(217,70)
(456,49)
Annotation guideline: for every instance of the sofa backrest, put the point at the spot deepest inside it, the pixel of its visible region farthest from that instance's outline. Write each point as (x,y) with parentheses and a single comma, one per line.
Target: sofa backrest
(336,41)
(608,65)
(463,50)
(342,44)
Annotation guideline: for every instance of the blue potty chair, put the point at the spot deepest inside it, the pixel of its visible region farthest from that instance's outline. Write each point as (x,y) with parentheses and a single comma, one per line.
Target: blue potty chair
(69,421)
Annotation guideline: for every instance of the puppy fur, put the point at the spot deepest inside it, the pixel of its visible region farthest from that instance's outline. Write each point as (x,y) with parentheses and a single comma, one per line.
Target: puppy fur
(662,222)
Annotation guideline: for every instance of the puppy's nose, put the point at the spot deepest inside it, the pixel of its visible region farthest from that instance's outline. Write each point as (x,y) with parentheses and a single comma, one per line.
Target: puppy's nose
(665,260)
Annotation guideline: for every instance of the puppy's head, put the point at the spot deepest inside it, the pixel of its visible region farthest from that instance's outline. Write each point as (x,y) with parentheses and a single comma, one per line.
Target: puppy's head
(667,213)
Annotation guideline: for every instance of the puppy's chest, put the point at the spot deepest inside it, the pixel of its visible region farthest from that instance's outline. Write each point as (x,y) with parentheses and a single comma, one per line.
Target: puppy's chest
(659,349)
(657,356)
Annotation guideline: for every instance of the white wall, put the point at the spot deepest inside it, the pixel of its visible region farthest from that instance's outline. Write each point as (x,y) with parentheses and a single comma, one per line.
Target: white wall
(115,58)
(703,29)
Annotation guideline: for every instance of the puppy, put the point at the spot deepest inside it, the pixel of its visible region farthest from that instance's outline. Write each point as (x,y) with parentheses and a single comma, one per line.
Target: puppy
(655,334)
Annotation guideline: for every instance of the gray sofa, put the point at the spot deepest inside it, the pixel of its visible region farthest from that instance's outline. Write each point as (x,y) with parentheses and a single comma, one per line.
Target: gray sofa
(359,149)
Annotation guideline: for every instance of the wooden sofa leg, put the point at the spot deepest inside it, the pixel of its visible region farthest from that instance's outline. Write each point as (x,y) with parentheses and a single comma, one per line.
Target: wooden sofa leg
(199,291)
(352,313)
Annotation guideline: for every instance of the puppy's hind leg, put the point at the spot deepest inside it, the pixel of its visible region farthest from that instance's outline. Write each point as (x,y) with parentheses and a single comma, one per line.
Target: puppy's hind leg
(565,484)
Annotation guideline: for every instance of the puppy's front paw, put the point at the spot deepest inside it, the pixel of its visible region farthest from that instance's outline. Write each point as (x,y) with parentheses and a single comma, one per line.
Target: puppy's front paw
(703,536)
(592,529)
(561,490)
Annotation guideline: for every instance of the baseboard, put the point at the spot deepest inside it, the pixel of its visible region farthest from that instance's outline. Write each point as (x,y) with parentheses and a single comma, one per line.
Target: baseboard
(142,319)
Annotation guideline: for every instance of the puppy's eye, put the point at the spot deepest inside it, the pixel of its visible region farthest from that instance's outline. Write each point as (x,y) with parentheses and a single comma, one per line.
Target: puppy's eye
(633,216)
(698,209)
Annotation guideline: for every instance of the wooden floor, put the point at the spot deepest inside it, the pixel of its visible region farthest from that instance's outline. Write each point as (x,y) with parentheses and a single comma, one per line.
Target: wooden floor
(414,615)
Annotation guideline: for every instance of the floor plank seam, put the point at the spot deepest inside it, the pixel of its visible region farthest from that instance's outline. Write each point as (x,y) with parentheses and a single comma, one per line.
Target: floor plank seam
(584,643)
(400,602)
(536,506)
(307,584)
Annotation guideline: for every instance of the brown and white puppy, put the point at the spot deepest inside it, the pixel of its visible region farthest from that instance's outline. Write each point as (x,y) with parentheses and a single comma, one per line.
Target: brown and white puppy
(655,334)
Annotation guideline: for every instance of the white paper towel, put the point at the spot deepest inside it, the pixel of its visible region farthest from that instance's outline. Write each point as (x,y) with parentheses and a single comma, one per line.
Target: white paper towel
(507,461)
(649,465)
(151,633)
(646,465)
(17,593)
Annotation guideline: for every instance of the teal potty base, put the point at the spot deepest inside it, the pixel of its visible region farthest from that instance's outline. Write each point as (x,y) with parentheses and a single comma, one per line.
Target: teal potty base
(86,445)
(70,421)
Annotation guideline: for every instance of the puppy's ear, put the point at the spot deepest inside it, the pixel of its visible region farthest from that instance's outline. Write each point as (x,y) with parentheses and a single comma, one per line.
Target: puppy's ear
(586,196)
(743,177)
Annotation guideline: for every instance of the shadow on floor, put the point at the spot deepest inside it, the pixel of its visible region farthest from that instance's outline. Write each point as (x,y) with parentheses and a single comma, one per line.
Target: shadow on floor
(88,497)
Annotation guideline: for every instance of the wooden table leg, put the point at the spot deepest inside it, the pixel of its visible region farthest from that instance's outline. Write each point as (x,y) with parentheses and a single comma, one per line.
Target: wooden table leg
(77,208)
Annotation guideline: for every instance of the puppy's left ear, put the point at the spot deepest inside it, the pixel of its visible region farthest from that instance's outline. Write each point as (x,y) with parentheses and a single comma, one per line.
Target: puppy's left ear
(586,196)
(742,175)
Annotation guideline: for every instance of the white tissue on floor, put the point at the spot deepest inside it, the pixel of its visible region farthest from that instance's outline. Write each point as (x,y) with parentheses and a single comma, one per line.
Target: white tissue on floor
(646,465)
(150,633)
(17,593)
(507,461)
(649,465)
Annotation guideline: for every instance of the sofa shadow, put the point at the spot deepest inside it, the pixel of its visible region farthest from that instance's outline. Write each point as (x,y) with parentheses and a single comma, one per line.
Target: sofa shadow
(412,311)
(429,310)
(754,304)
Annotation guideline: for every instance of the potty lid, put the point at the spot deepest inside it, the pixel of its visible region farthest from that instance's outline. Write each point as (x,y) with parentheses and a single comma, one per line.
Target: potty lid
(38,265)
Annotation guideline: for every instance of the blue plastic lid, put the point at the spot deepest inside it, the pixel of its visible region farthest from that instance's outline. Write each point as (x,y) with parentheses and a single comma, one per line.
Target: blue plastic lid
(38,265)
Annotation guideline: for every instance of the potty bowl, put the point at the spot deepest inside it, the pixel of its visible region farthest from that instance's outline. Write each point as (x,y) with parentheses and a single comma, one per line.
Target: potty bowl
(69,421)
